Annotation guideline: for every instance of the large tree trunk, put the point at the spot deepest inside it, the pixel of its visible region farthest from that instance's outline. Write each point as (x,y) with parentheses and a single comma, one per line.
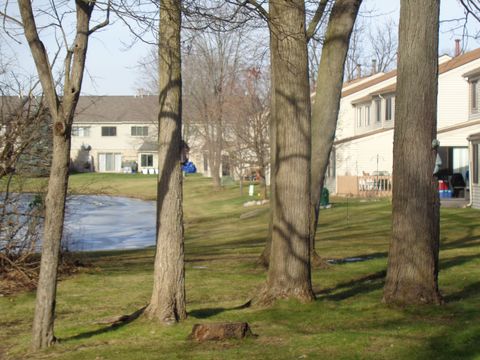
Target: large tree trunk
(327,99)
(167,303)
(62,111)
(413,256)
(43,335)
(264,258)
(289,271)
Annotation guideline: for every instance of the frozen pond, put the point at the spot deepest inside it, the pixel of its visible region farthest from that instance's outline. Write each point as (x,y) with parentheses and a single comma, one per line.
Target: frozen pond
(108,223)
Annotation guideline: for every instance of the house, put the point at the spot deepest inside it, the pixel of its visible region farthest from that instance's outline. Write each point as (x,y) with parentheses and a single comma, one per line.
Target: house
(362,155)
(474,149)
(115,133)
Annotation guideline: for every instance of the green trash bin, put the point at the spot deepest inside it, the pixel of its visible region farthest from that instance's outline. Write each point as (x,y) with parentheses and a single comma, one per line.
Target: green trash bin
(325,198)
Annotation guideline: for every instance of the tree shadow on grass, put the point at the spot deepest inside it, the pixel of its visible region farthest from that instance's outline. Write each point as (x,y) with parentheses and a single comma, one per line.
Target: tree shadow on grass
(375,281)
(364,284)
(209,312)
(115,323)
(469,291)
(459,341)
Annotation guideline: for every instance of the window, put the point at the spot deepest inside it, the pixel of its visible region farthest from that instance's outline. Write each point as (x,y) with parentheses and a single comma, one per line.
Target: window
(474,96)
(109,131)
(139,131)
(359,116)
(378,110)
(81,131)
(147,160)
(388,108)
(367,115)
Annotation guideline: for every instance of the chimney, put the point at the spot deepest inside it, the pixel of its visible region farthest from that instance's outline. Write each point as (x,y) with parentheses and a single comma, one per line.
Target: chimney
(374,66)
(359,71)
(458,50)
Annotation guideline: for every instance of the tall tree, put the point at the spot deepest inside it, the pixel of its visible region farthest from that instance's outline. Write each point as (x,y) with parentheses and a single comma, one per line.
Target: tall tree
(62,108)
(167,303)
(413,256)
(289,273)
(325,110)
(327,97)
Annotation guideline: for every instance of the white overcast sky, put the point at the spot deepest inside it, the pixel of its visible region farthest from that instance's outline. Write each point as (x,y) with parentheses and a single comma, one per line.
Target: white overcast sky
(112,69)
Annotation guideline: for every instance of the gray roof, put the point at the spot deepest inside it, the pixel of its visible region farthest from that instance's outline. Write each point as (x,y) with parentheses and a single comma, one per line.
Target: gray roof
(117,109)
(149,146)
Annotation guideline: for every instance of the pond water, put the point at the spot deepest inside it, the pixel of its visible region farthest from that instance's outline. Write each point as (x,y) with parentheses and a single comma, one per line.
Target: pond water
(108,223)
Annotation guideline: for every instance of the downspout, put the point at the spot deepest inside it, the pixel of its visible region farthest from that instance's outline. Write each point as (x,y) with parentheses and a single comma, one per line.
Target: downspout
(470,167)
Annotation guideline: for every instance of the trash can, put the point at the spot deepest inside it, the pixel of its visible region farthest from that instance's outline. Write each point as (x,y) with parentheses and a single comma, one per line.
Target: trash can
(325,198)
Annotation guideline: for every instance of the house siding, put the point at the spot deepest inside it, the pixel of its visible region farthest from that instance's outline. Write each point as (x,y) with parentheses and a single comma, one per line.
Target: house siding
(360,156)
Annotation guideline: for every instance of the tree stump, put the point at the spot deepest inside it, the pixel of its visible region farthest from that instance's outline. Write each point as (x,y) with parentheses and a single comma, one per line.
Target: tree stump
(220,331)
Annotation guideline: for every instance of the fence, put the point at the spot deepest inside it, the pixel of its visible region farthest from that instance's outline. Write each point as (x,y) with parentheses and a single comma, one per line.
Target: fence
(365,186)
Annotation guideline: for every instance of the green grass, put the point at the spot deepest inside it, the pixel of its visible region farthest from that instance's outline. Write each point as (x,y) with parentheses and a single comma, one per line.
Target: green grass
(348,320)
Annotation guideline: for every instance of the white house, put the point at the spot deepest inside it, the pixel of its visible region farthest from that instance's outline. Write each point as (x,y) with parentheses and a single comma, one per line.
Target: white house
(116,133)
(364,139)
(113,133)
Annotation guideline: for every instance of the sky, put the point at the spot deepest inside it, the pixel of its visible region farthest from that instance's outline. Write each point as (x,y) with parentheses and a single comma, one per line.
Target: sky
(112,62)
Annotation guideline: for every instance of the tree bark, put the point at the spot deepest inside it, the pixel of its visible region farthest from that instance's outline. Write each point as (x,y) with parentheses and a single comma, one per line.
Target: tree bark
(264,258)
(167,303)
(43,323)
(62,111)
(289,271)
(327,100)
(413,256)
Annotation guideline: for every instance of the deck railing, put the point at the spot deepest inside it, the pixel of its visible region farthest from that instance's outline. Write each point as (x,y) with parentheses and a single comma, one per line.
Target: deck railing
(372,185)
(364,186)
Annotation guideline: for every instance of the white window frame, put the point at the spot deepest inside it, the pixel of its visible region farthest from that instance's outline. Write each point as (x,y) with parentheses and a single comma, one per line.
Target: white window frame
(81,131)
(378,110)
(139,131)
(108,127)
(367,115)
(388,99)
(474,89)
(146,156)
(359,116)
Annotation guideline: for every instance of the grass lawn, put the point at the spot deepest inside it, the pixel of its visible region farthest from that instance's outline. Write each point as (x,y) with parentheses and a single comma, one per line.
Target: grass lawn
(347,321)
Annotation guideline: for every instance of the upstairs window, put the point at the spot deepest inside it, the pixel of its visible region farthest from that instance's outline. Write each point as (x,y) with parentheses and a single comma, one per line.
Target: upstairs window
(474,96)
(378,110)
(109,131)
(359,116)
(139,130)
(388,108)
(367,115)
(81,131)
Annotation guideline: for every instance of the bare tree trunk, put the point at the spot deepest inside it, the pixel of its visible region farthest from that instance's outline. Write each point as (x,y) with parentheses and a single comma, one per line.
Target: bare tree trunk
(62,110)
(43,334)
(289,271)
(167,303)
(264,258)
(413,256)
(327,100)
